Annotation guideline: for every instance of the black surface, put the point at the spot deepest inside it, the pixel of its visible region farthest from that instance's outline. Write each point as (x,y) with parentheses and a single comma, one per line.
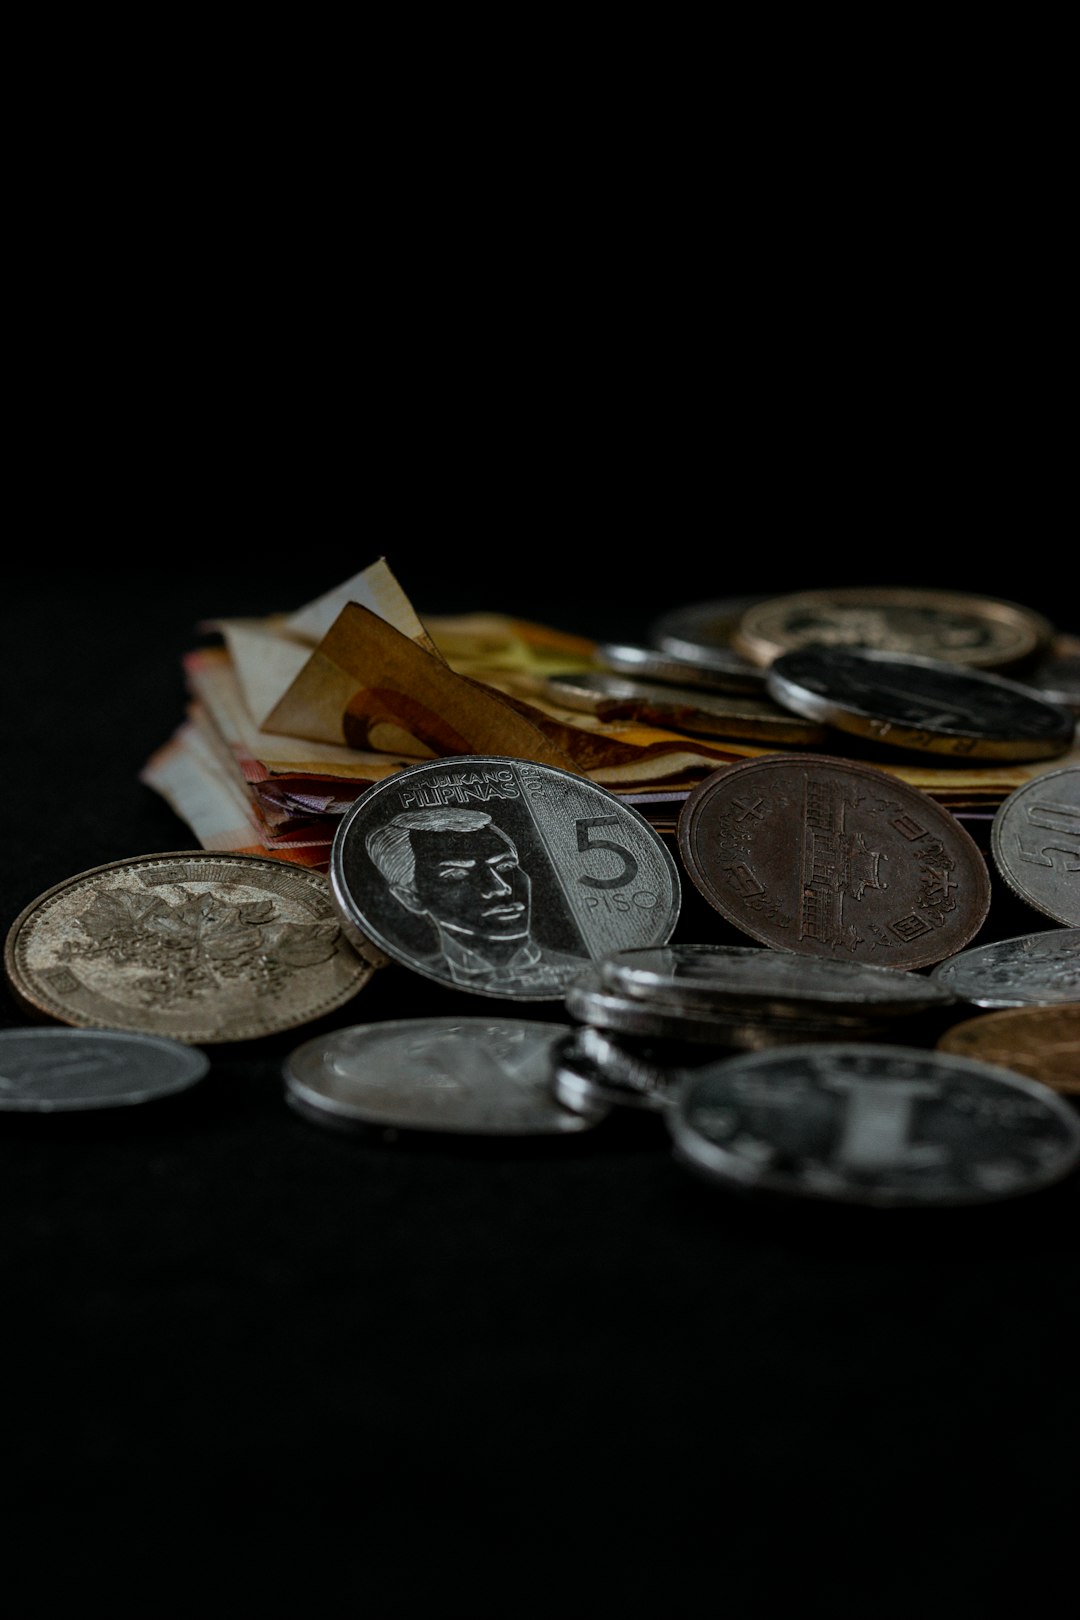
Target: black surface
(437,1378)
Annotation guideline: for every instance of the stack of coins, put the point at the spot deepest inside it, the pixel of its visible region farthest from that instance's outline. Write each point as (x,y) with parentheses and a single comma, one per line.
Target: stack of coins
(647,1016)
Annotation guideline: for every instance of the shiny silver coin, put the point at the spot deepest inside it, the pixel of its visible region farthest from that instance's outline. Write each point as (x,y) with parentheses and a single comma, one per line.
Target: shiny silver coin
(920,704)
(590,1001)
(470,1076)
(704,632)
(768,983)
(53,1071)
(1032,970)
(500,876)
(720,671)
(702,714)
(879,1125)
(582,1083)
(1035,842)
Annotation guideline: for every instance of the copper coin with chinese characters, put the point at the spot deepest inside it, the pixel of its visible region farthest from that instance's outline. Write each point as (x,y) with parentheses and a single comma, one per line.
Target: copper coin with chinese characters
(196,945)
(832,858)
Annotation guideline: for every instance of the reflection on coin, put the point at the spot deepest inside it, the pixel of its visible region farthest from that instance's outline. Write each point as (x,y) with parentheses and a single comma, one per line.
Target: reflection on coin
(703,631)
(624,1082)
(1032,970)
(475,1076)
(501,876)
(878,1125)
(52,1071)
(769,983)
(832,858)
(196,945)
(1041,1042)
(705,714)
(962,629)
(920,704)
(1035,842)
(719,671)
(1056,676)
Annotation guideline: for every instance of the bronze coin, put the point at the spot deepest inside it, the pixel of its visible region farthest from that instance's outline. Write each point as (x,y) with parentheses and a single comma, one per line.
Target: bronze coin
(809,853)
(1041,1042)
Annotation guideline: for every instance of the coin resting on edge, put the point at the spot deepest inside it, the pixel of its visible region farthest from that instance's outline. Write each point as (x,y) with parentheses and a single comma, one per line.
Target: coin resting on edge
(1031,970)
(920,704)
(1035,842)
(1041,1042)
(500,876)
(472,1076)
(824,856)
(962,629)
(878,1125)
(199,946)
(53,1071)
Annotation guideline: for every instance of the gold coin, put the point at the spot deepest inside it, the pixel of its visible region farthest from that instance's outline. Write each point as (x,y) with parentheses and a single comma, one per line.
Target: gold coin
(196,945)
(979,631)
(1041,1042)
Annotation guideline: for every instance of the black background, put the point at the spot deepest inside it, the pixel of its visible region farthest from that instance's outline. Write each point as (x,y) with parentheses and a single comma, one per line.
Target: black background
(453,1378)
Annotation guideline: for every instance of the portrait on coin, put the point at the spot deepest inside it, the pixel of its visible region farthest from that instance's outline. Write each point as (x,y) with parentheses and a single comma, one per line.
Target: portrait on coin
(461,872)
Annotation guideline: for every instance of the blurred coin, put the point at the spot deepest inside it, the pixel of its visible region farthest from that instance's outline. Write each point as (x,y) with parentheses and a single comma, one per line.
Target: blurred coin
(703,631)
(920,704)
(706,714)
(626,1082)
(500,876)
(475,1076)
(878,1125)
(196,945)
(768,983)
(52,1071)
(836,859)
(1041,1042)
(721,671)
(1056,677)
(961,629)
(1032,970)
(1035,842)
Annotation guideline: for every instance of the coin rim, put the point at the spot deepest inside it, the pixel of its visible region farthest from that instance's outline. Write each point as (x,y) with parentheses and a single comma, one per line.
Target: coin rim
(992,944)
(1029,1012)
(29,1000)
(199,1068)
(996,828)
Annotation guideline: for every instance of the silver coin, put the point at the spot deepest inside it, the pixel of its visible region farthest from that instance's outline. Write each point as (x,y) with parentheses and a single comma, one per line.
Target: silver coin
(500,876)
(53,1071)
(471,1076)
(626,1081)
(704,632)
(768,983)
(1057,676)
(703,714)
(920,704)
(719,671)
(1031,970)
(1035,842)
(878,1125)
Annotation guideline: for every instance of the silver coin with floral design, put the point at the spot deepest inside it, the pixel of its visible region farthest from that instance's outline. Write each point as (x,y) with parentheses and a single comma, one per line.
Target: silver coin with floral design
(1031,970)
(500,876)
(195,945)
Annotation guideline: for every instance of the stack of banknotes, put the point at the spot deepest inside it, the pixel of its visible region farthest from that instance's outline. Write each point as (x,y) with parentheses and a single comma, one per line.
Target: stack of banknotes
(292,717)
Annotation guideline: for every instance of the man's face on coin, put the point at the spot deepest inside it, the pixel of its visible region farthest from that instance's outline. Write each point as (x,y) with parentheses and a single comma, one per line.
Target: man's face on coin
(471,882)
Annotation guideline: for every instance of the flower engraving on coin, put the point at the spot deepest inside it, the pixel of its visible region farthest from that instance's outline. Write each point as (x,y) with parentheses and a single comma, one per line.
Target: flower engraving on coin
(194,946)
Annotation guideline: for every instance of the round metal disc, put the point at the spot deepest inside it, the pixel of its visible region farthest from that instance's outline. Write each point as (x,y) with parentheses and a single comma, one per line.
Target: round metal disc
(704,632)
(890,1126)
(1035,842)
(470,1076)
(1031,970)
(53,1071)
(722,671)
(703,714)
(500,876)
(1041,1042)
(581,1082)
(831,858)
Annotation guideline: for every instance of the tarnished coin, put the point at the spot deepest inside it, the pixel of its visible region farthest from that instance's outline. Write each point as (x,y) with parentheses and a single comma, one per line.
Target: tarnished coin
(1032,970)
(723,671)
(472,1076)
(1035,842)
(831,858)
(704,632)
(920,704)
(769,983)
(705,714)
(54,1071)
(501,876)
(879,1125)
(624,1080)
(195,945)
(1041,1042)
(951,625)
